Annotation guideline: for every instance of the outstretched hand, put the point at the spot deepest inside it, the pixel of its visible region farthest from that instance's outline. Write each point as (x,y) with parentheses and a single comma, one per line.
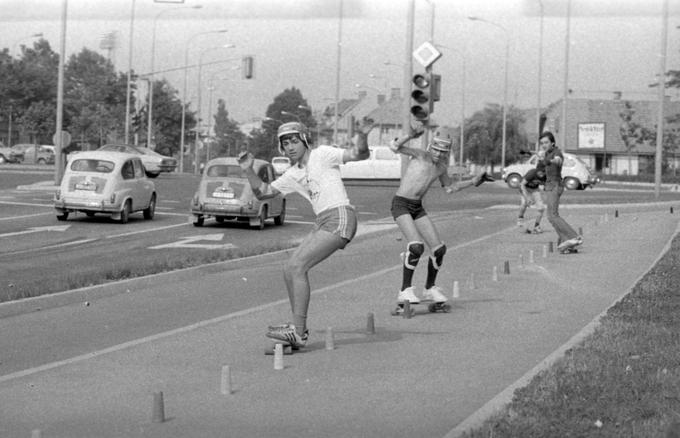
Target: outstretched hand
(365,125)
(246,160)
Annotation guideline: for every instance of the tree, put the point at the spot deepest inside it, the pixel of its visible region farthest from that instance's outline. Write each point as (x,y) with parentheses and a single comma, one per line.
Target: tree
(167,119)
(484,135)
(228,136)
(94,99)
(632,132)
(264,143)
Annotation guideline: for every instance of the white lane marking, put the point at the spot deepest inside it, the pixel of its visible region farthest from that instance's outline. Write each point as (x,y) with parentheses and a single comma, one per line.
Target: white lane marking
(112,236)
(23,216)
(208,322)
(189,242)
(31,230)
(27,204)
(58,245)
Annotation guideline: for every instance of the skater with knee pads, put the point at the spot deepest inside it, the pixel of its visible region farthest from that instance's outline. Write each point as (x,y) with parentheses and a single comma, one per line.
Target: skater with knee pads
(422,169)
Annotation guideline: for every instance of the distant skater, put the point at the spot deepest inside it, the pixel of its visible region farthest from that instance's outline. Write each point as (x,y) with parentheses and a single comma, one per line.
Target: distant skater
(530,194)
(567,238)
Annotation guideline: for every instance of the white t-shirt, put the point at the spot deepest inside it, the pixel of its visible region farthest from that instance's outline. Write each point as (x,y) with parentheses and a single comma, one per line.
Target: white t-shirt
(319,181)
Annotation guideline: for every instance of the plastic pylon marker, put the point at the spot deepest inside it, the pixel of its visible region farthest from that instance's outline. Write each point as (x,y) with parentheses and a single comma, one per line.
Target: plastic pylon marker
(456,289)
(494,274)
(330,341)
(550,247)
(278,357)
(545,251)
(370,324)
(506,268)
(407,310)
(158,412)
(225,381)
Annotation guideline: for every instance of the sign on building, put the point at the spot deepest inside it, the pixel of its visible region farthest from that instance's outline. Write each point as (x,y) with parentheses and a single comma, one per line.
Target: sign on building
(591,136)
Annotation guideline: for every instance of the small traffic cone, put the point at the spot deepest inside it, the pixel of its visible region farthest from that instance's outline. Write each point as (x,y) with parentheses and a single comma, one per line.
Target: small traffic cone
(550,247)
(456,290)
(225,381)
(158,413)
(370,323)
(494,274)
(278,357)
(330,341)
(506,268)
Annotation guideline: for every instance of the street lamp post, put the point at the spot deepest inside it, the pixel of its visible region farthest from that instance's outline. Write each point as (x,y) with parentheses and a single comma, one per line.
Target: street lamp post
(505,86)
(129,75)
(199,93)
(184,93)
(149,129)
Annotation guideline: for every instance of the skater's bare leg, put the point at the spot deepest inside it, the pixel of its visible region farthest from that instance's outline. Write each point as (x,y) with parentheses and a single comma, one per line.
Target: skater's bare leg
(316,247)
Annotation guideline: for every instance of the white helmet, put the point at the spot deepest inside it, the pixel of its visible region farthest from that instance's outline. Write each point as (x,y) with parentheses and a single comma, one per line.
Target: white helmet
(292,128)
(442,140)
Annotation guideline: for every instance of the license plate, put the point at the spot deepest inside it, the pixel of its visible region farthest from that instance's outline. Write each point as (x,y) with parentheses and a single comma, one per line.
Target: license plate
(86,186)
(224,195)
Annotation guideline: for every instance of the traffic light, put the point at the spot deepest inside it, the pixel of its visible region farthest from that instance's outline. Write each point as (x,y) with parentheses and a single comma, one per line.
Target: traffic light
(421,97)
(248,67)
(136,121)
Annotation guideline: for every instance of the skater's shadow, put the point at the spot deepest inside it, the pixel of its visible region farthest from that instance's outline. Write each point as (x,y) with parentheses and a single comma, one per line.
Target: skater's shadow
(363,337)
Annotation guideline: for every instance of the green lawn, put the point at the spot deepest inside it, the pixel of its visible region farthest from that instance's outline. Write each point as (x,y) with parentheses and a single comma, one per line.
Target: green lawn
(622,381)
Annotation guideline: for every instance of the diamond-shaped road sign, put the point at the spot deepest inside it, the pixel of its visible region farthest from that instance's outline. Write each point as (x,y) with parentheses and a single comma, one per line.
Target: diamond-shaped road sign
(426,54)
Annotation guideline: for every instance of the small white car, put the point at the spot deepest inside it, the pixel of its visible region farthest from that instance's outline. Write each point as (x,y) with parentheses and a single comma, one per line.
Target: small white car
(281,164)
(112,183)
(575,173)
(381,164)
(154,163)
(225,194)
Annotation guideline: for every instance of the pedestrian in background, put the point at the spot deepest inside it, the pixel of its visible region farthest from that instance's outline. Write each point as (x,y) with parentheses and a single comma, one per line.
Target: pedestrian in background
(530,194)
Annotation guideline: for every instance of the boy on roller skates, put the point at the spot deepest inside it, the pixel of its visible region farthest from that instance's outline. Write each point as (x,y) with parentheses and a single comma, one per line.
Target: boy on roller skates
(422,169)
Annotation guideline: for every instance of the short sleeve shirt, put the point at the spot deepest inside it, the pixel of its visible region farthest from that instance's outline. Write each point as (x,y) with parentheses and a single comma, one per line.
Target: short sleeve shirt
(320,181)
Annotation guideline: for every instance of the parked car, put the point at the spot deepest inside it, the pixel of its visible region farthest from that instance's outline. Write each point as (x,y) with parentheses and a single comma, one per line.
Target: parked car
(35,154)
(105,182)
(154,163)
(576,174)
(225,194)
(381,164)
(281,164)
(9,155)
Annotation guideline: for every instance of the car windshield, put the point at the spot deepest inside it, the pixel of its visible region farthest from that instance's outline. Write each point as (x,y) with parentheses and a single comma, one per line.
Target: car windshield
(225,170)
(92,165)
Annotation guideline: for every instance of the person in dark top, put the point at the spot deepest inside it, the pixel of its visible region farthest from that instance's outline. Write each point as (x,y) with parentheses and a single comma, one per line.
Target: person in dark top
(567,239)
(530,191)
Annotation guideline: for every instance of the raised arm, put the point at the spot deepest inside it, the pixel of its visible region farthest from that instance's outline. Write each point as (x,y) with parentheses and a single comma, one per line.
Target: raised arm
(398,145)
(475,181)
(359,151)
(260,189)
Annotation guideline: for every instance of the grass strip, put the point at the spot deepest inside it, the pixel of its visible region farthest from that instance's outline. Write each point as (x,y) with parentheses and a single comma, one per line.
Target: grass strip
(621,381)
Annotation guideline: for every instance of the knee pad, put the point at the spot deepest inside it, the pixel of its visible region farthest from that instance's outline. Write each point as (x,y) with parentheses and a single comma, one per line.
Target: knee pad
(413,252)
(438,256)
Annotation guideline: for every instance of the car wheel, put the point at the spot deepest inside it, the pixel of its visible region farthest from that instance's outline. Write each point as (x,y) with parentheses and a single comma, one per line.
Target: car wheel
(3,160)
(280,219)
(198,221)
(62,216)
(150,211)
(513,180)
(572,183)
(41,161)
(125,212)
(152,174)
(89,213)
(219,219)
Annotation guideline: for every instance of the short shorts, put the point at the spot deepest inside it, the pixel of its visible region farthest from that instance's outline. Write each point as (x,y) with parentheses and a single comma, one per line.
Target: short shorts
(341,221)
(412,207)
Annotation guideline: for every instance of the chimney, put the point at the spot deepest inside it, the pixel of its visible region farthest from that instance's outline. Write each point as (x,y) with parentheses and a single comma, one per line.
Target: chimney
(395,93)
(381,99)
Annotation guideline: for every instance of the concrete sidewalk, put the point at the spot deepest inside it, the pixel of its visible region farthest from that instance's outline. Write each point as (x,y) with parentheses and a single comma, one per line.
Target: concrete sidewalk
(418,377)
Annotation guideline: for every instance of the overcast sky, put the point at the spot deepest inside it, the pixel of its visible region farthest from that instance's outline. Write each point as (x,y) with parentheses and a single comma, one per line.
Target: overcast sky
(614,46)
